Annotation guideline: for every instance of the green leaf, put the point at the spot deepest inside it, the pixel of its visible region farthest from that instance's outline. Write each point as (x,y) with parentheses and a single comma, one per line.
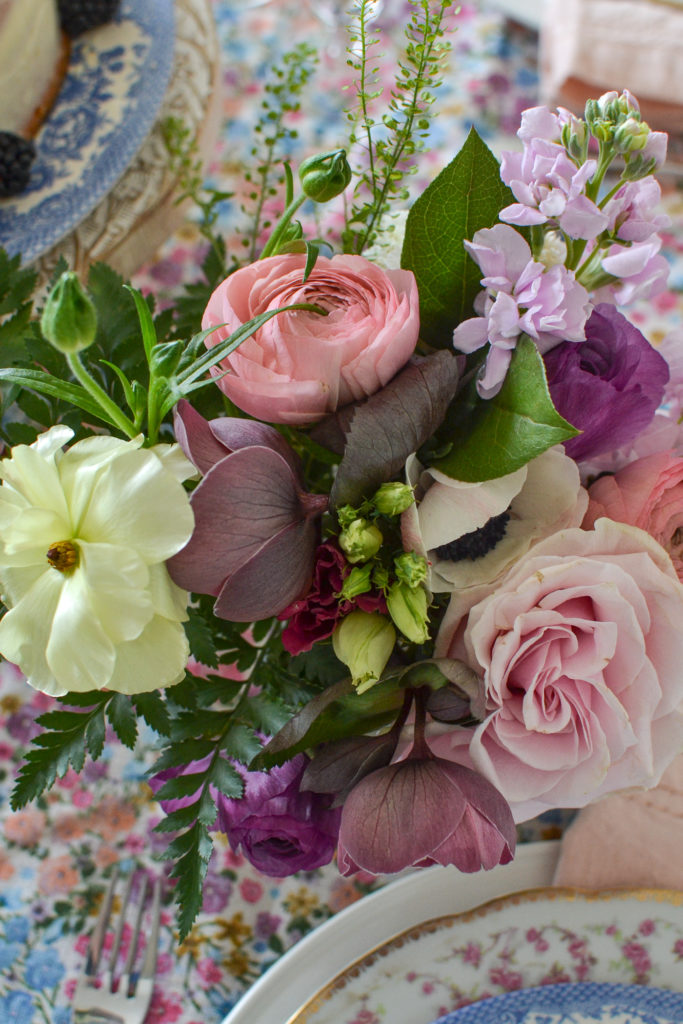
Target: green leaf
(152,708)
(200,639)
(493,437)
(466,196)
(46,384)
(190,871)
(180,754)
(226,778)
(149,334)
(241,742)
(123,719)
(181,786)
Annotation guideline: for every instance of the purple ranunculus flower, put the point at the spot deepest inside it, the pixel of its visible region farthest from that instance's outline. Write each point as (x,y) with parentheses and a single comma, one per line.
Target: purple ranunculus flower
(424,810)
(548,186)
(279,829)
(609,387)
(522,296)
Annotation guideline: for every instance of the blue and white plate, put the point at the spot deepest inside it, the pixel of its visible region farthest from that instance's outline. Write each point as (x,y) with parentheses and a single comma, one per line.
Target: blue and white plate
(583,1003)
(108,103)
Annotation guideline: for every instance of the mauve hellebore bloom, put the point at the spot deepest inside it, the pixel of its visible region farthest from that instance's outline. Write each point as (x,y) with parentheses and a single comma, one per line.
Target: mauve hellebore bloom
(255,533)
(609,387)
(421,811)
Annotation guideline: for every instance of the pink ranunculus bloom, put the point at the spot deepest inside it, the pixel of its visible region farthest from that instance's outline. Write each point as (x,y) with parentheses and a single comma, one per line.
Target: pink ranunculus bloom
(647,493)
(301,365)
(522,296)
(548,186)
(580,649)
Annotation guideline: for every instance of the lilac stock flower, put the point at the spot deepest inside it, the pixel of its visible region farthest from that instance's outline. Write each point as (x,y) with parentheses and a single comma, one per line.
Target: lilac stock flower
(424,810)
(255,532)
(549,186)
(278,828)
(640,270)
(633,211)
(609,387)
(521,296)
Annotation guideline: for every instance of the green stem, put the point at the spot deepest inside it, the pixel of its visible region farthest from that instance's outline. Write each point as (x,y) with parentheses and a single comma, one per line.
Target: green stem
(83,376)
(271,246)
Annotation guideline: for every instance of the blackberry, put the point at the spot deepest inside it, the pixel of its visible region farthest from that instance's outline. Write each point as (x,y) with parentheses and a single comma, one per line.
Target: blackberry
(16,157)
(77,16)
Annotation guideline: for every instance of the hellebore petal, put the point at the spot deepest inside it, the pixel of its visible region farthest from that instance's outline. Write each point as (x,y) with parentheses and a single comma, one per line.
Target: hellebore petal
(274,576)
(206,442)
(424,811)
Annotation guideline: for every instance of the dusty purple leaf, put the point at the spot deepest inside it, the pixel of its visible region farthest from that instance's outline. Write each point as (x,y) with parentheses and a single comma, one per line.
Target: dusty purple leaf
(337,767)
(393,423)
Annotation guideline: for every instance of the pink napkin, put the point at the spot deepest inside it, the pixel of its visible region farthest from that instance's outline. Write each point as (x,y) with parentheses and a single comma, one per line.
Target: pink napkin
(633,838)
(591,46)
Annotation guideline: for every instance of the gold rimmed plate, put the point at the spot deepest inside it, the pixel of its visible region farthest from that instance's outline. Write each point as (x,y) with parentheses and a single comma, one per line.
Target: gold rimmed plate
(535,937)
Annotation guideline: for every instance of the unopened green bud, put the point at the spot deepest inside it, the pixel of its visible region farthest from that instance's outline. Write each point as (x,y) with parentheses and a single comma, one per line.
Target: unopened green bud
(346,515)
(631,135)
(393,498)
(293,232)
(363,641)
(357,582)
(411,569)
(408,608)
(325,175)
(380,577)
(360,541)
(69,320)
(575,139)
(165,357)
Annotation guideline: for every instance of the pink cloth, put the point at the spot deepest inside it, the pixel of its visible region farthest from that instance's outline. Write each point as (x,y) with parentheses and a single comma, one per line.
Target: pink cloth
(633,838)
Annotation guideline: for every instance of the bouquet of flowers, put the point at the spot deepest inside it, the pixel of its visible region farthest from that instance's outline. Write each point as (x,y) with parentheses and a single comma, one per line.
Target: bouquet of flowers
(389,552)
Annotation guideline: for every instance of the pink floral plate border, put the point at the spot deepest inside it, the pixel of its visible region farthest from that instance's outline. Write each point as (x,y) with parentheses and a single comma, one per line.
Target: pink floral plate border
(537,937)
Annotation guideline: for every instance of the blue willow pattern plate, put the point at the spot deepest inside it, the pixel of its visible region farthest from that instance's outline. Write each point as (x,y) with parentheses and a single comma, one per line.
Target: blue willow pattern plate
(109,100)
(582,1003)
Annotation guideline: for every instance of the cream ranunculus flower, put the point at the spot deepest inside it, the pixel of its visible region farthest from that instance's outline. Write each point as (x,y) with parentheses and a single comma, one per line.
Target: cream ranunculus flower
(507,515)
(84,535)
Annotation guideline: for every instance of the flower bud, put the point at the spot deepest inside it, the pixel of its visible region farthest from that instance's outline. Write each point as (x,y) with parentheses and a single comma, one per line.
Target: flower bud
(411,569)
(575,138)
(69,320)
(363,641)
(325,175)
(630,135)
(554,250)
(357,582)
(409,611)
(392,499)
(360,541)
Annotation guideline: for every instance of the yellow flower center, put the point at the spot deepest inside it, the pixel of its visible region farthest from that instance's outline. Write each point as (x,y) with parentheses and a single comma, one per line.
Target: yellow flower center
(63,555)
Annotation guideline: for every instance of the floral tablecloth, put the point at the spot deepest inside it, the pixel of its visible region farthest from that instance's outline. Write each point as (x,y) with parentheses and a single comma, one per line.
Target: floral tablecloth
(56,855)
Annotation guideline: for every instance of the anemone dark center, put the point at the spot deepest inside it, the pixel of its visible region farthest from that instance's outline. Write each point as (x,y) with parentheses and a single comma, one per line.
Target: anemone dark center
(477,543)
(63,555)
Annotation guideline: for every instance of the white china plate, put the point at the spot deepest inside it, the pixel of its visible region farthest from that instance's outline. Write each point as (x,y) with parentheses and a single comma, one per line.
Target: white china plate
(404,903)
(538,937)
(583,1003)
(107,105)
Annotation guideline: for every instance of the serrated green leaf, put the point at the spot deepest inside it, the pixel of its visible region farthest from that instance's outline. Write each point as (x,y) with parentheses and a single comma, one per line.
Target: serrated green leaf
(494,437)
(226,778)
(200,639)
(185,753)
(123,719)
(154,711)
(95,736)
(181,786)
(241,742)
(265,713)
(466,196)
(190,872)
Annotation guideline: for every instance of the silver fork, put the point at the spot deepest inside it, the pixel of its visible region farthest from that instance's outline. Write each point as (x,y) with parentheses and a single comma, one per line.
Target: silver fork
(130,1002)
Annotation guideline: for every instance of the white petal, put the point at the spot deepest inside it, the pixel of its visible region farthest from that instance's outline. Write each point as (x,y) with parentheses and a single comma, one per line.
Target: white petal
(25,632)
(157,658)
(29,536)
(139,504)
(118,583)
(174,460)
(83,464)
(79,652)
(36,478)
(168,599)
(452,508)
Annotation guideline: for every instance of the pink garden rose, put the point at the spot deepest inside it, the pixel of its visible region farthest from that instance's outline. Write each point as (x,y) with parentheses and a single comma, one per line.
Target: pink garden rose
(580,650)
(647,493)
(301,365)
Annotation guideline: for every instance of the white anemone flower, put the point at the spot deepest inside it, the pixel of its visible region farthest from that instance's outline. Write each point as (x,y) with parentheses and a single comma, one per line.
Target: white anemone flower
(84,535)
(542,497)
